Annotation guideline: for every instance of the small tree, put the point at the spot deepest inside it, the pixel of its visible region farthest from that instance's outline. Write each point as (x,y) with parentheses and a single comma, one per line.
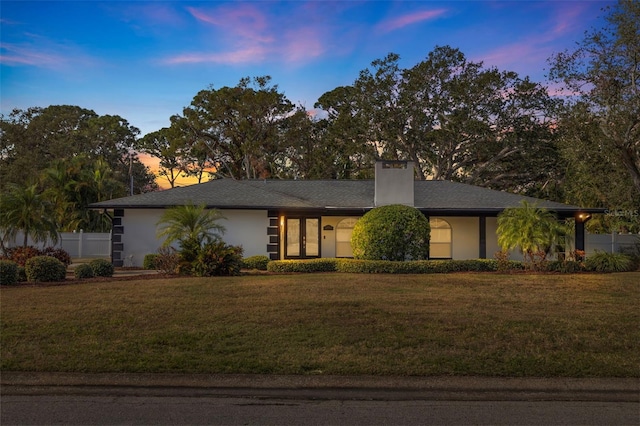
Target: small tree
(394,232)
(26,209)
(534,230)
(192,227)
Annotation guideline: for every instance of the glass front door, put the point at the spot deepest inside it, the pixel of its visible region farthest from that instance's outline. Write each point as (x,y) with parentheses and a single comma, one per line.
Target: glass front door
(302,237)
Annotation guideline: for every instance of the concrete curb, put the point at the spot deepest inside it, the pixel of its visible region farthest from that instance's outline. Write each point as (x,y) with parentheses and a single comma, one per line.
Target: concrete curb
(325,387)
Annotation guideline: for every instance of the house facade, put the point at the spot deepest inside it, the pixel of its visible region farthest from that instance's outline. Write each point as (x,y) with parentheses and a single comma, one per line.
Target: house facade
(298,219)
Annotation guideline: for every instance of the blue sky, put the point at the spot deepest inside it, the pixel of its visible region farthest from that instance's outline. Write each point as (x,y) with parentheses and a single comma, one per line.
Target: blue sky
(145,61)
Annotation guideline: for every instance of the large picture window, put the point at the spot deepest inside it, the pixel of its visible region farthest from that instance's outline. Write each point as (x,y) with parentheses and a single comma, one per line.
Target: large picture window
(440,244)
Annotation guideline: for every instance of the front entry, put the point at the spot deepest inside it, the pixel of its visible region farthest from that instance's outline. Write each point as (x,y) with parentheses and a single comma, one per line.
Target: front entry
(302,237)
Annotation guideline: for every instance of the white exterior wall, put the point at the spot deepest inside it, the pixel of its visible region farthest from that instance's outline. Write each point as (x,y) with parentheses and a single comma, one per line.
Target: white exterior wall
(465,236)
(247,228)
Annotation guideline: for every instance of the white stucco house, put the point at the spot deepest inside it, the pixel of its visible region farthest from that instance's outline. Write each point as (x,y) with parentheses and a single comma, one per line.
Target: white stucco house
(298,219)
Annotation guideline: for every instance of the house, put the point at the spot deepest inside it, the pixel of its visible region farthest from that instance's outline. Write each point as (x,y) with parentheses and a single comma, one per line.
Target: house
(298,219)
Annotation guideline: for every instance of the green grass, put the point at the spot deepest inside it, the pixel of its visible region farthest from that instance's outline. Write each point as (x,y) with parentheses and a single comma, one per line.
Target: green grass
(584,325)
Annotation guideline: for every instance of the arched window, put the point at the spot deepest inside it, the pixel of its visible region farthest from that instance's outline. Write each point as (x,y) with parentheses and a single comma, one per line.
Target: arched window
(344,229)
(440,244)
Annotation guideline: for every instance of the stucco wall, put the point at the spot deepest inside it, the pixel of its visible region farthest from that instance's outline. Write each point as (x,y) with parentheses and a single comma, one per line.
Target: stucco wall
(245,228)
(465,237)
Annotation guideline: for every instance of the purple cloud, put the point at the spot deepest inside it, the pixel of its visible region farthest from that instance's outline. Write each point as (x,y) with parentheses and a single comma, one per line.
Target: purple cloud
(409,19)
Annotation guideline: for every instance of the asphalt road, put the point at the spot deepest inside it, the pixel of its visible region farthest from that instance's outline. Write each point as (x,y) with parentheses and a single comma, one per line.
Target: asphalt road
(112,399)
(167,410)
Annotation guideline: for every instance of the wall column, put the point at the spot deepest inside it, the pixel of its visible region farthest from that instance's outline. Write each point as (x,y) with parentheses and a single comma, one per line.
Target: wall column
(482,251)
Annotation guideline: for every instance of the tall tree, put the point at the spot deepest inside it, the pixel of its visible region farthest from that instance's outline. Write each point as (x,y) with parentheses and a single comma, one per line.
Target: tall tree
(454,118)
(169,148)
(32,139)
(239,126)
(604,74)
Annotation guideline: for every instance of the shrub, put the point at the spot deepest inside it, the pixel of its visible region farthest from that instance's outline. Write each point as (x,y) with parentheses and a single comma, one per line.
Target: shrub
(167,260)
(58,253)
(602,261)
(102,268)
(22,274)
(83,271)
(217,258)
(256,262)
(8,272)
(566,266)
(149,261)
(309,265)
(20,255)
(45,269)
(394,232)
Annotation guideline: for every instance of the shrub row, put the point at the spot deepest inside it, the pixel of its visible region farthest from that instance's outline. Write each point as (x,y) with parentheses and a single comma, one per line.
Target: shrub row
(20,255)
(387,266)
(598,262)
(256,262)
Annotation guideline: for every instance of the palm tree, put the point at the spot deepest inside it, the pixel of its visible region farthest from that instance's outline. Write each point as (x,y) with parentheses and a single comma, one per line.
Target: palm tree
(190,225)
(26,209)
(535,231)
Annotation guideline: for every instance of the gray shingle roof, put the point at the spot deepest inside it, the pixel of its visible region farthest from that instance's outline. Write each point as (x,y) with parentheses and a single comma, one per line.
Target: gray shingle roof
(443,196)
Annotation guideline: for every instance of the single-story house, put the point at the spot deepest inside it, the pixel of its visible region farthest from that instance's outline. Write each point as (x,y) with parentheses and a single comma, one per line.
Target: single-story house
(298,219)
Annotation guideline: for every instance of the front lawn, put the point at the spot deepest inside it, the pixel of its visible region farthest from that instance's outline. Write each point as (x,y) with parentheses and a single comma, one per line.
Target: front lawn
(582,325)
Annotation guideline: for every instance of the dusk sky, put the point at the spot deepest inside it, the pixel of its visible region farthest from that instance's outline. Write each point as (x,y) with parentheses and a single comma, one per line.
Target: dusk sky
(145,61)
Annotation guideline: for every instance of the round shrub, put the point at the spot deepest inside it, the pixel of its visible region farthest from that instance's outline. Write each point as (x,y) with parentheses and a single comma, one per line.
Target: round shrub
(102,268)
(83,271)
(8,272)
(45,269)
(256,262)
(394,232)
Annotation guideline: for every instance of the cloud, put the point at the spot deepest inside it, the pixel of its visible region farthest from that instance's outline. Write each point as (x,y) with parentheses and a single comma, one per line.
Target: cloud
(49,56)
(250,35)
(409,19)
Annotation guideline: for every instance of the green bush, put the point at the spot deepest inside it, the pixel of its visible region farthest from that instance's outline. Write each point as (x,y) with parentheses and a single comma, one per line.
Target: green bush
(256,262)
(102,268)
(386,266)
(58,253)
(216,259)
(149,261)
(22,274)
(45,269)
(83,271)
(601,261)
(394,232)
(8,272)
(566,266)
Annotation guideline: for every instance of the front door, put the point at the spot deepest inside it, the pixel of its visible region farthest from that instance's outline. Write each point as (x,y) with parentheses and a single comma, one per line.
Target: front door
(302,237)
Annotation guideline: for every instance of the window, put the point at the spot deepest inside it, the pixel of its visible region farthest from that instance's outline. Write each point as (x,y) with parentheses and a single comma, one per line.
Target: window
(440,245)
(343,237)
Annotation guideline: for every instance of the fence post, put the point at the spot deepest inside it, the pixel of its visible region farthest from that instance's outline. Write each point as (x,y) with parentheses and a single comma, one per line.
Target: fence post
(80,243)
(613,242)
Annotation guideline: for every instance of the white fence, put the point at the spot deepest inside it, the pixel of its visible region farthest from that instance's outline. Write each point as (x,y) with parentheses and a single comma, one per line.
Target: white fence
(77,244)
(611,243)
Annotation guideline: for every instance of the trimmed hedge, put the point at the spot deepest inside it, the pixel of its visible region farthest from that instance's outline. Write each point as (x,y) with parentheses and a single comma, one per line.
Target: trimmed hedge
(45,269)
(387,266)
(83,271)
(259,262)
(8,272)
(102,268)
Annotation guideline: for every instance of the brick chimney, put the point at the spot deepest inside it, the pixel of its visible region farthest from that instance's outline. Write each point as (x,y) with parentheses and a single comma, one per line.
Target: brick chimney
(394,183)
